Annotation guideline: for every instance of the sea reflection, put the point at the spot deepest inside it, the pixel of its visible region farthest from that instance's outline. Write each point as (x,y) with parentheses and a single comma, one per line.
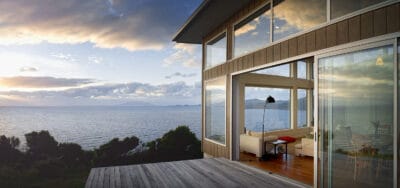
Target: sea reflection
(356,113)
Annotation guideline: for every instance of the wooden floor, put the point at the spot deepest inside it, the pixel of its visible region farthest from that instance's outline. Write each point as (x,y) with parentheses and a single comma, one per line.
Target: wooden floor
(296,168)
(211,172)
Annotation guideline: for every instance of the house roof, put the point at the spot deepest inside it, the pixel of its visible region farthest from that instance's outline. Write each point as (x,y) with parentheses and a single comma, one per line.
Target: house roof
(209,15)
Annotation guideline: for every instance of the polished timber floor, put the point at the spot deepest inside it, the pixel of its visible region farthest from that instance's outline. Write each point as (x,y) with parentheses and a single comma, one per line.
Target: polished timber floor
(293,167)
(208,173)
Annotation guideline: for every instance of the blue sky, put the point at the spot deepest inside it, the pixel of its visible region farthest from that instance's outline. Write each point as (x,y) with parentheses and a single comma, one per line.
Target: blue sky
(97,52)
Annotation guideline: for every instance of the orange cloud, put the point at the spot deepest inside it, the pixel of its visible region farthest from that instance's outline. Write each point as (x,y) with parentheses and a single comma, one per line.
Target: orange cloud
(42,82)
(107,24)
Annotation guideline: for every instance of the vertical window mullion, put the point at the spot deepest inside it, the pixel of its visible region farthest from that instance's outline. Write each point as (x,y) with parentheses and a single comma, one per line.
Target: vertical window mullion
(271,25)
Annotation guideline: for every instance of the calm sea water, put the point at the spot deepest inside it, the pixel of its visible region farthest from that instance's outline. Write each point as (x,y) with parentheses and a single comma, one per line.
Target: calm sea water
(93,126)
(275,119)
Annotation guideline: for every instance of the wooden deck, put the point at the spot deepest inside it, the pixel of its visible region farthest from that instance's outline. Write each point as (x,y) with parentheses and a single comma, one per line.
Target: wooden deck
(211,172)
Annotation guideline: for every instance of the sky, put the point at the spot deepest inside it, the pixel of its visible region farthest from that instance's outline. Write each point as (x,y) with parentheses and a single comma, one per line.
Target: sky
(97,52)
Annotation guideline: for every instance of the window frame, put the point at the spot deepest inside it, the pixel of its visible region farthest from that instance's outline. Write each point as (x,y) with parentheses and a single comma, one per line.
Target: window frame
(204,111)
(247,19)
(224,32)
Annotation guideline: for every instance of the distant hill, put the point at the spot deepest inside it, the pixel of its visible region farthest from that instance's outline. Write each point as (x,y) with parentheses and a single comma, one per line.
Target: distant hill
(259,104)
(136,103)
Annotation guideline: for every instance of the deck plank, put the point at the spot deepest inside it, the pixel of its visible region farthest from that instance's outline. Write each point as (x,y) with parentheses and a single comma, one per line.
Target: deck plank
(126,181)
(112,177)
(107,174)
(117,177)
(89,181)
(212,172)
(98,181)
(135,176)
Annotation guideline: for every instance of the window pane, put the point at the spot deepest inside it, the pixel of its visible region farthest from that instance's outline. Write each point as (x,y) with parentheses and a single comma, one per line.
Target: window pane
(292,16)
(301,108)
(281,70)
(277,115)
(215,110)
(216,51)
(343,7)
(252,33)
(302,70)
(356,115)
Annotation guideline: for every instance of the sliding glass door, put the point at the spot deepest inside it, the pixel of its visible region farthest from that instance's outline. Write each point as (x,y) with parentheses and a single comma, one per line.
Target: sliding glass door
(356,118)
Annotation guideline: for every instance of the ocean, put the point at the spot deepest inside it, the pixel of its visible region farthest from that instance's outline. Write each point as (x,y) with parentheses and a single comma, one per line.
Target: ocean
(91,127)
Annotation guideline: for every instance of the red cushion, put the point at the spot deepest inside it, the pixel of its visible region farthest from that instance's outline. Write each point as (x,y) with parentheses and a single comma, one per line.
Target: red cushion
(287,138)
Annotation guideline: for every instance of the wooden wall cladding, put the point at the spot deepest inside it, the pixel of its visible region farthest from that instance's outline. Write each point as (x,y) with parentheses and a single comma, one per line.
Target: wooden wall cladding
(343,32)
(320,39)
(374,23)
(216,150)
(354,28)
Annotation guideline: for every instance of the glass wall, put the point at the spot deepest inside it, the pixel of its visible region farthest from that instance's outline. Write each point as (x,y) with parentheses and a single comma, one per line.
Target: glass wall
(342,7)
(215,96)
(301,108)
(302,69)
(293,16)
(356,118)
(277,115)
(253,32)
(281,70)
(216,51)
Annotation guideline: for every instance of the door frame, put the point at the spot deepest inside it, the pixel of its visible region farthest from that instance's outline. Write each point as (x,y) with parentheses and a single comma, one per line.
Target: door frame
(317,54)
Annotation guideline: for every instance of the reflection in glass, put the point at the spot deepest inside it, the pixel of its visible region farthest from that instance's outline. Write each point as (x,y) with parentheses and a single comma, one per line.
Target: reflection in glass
(215,110)
(343,7)
(281,70)
(277,115)
(253,32)
(356,118)
(291,16)
(216,51)
(301,69)
(301,108)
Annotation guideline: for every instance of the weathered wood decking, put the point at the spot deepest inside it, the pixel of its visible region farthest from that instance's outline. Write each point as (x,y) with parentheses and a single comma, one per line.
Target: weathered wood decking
(212,172)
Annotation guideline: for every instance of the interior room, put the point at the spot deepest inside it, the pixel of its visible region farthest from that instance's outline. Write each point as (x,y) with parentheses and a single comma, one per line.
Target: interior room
(277,108)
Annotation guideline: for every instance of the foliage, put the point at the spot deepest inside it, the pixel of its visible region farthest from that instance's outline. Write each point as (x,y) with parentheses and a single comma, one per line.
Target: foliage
(8,149)
(47,163)
(178,144)
(73,155)
(41,145)
(114,151)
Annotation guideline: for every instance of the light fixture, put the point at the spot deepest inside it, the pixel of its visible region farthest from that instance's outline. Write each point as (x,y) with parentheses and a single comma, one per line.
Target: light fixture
(269,99)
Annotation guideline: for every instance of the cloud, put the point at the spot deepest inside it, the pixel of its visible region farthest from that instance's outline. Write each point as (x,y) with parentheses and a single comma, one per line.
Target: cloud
(251,26)
(287,12)
(28,69)
(95,60)
(63,57)
(166,94)
(178,74)
(42,82)
(189,55)
(133,25)
(310,15)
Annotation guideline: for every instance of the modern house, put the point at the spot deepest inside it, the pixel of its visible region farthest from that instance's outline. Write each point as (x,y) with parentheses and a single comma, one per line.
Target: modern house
(332,67)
